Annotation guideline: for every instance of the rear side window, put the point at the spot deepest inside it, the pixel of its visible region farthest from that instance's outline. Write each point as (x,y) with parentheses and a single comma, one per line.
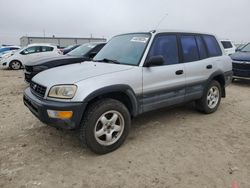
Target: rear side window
(167,47)
(47,49)
(201,47)
(189,48)
(212,46)
(226,44)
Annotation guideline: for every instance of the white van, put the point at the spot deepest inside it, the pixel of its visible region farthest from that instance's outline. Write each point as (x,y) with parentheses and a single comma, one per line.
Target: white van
(229,47)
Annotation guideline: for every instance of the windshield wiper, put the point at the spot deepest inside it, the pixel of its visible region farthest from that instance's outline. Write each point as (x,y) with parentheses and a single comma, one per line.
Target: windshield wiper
(106,60)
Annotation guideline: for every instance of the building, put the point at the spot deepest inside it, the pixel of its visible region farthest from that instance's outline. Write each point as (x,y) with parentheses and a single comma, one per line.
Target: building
(59,41)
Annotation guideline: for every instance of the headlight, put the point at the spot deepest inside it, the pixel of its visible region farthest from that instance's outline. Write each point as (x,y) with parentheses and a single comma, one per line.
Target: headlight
(63,91)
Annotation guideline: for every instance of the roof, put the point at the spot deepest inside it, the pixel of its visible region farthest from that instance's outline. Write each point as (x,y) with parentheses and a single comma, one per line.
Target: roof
(42,44)
(180,31)
(84,38)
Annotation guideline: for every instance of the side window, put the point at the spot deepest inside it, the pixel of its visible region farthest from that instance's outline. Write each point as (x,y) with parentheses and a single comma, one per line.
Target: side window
(227,44)
(46,48)
(189,48)
(201,47)
(31,50)
(212,46)
(167,47)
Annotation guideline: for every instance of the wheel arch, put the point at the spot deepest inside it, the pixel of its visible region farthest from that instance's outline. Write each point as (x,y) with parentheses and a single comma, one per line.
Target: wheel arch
(219,77)
(15,60)
(122,93)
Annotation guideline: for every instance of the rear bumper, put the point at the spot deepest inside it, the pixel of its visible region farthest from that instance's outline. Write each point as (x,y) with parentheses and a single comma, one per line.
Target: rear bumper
(40,106)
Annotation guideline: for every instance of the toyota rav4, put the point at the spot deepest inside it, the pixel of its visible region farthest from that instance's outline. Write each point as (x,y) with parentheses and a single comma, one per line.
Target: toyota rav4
(134,73)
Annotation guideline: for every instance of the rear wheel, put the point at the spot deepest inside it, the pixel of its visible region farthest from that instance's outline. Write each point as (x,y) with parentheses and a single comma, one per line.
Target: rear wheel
(211,98)
(15,65)
(105,126)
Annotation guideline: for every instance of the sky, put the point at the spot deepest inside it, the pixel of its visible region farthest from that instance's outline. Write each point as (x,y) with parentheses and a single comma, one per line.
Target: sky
(228,19)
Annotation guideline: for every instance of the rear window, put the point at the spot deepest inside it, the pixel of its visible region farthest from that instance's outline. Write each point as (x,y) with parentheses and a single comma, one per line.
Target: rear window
(212,46)
(226,44)
(201,47)
(189,49)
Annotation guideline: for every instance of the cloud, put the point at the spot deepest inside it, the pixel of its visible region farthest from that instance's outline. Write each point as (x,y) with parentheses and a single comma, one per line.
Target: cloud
(80,18)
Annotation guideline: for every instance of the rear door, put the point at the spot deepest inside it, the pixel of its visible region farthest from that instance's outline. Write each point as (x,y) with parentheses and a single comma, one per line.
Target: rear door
(199,58)
(164,85)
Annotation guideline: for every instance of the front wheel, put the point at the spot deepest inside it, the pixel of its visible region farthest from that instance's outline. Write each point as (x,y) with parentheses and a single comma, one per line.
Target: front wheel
(15,65)
(211,98)
(105,126)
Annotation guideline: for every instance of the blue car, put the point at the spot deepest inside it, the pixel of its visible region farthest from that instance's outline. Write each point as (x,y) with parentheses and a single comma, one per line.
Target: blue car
(6,49)
(241,62)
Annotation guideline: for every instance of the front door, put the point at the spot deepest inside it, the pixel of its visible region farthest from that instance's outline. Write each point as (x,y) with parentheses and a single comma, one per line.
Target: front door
(163,85)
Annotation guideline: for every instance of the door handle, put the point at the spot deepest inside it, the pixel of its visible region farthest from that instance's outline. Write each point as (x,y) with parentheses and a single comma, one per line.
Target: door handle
(179,72)
(209,66)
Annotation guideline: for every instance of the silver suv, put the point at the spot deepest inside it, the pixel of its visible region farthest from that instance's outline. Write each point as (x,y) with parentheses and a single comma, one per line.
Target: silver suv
(134,73)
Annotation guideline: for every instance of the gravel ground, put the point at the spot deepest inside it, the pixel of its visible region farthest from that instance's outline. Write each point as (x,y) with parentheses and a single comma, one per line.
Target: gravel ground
(170,148)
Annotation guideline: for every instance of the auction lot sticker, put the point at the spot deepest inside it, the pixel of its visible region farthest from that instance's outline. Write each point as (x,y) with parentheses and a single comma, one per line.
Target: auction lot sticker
(139,39)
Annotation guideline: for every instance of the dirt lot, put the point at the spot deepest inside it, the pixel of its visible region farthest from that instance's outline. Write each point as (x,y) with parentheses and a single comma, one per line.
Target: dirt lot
(167,148)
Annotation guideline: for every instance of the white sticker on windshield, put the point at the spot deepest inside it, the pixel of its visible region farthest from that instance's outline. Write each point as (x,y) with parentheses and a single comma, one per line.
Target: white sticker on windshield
(139,39)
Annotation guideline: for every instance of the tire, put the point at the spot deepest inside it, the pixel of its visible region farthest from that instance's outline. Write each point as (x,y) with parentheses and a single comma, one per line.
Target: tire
(211,98)
(105,126)
(15,65)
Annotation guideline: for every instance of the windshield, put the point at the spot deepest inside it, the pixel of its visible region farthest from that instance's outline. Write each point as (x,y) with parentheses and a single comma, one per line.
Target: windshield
(69,47)
(82,50)
(124,49)
(246,48)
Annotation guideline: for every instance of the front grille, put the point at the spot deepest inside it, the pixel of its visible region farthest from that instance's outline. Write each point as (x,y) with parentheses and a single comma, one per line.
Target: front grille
(29,68)
(244,66)
(37,89)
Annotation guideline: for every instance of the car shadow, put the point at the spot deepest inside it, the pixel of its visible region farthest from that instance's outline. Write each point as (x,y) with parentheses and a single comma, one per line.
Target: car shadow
(54,140)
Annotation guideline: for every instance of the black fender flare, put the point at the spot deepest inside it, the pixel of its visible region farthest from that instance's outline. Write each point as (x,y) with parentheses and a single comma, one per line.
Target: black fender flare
(222,75)
(126,89)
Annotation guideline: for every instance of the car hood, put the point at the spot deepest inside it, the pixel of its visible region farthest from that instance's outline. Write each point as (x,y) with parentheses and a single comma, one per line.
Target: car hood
(241,56)
(71,74)
(42,61)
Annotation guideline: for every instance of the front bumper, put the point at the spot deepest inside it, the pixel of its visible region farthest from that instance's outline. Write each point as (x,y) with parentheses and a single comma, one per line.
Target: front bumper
(241,69)
(28,76)
(4,65)
(40,106)
(241,73)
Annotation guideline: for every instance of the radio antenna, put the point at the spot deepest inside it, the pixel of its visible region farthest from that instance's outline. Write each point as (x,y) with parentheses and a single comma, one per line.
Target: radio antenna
(161,20)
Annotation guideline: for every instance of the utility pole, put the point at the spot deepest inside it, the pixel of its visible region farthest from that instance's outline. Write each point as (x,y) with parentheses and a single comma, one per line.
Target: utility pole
(44,34)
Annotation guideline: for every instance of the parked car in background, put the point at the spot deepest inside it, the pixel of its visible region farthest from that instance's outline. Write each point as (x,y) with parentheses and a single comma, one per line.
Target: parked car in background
(30,53)
(6,49)
(229,47)
(241,62)
(69,48)
(84,52)
(239,47)
(132,74)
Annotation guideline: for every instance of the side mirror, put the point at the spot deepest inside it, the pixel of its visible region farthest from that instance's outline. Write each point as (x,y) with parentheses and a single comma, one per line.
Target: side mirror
(155,61)
(92,55)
